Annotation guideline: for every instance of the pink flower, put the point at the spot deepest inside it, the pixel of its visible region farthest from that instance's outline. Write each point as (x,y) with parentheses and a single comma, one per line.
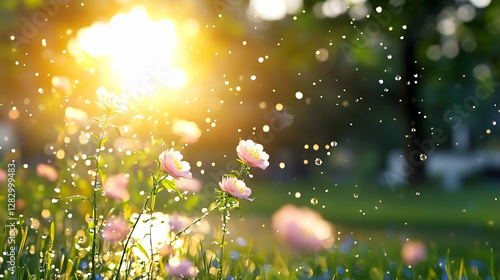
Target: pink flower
(116,187)
(172,163)
(181,268)
(20,204)
(252,154)
(175,223)
(188,131)
(235,187)
(413,252)
(47,171)
(165,249)
(115,229)
(189,185)
(302,228)
(3,176)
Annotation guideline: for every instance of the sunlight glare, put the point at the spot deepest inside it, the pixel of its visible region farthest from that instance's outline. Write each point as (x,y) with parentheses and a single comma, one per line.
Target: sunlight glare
(141,50)
(273,9)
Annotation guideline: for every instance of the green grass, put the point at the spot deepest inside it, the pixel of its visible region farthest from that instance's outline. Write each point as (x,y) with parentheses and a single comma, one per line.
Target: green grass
(382,206)
(460,229)
(465,221)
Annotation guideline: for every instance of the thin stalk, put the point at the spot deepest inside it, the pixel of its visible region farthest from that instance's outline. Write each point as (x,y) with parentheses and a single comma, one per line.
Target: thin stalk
(94,208)
(225,215)
(178,235)
(131,232)
(152,206)
(225,218)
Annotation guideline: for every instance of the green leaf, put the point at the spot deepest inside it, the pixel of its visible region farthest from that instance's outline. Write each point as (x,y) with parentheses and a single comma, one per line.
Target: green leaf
(139,246)
(103,141)
(231,175)
(21,245)
(172,186)
(83,198)
(52,231)
(102,172)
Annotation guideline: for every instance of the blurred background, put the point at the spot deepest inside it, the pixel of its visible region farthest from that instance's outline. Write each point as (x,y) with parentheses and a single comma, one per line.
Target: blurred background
(380,115)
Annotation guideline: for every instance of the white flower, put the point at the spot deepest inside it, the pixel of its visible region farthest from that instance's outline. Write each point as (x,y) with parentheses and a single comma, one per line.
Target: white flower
(110,102)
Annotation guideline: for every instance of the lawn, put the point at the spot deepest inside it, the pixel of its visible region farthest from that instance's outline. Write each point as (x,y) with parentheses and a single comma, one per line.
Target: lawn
(465,221)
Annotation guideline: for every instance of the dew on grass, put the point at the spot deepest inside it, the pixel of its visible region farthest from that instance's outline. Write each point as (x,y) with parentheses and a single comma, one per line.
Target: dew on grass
(318,161)
(423,157)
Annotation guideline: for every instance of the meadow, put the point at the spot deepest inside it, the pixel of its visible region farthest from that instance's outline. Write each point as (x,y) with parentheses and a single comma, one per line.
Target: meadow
(227,139)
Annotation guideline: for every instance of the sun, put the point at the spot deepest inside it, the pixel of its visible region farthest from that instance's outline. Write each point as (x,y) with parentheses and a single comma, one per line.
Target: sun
(140,52)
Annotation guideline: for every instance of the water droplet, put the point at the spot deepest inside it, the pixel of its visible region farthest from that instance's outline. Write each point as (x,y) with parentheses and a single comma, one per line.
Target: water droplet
(314,201)
(355,195)
(318,161)
(397,78)
(380,81)
(333,143)
(423,157)
(298,195)
(54,200)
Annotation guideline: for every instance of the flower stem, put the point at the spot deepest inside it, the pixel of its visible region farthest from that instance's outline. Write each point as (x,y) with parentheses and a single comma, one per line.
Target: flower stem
(156,181)
(178,235)
(132,231)
(225,216)
(95,218)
